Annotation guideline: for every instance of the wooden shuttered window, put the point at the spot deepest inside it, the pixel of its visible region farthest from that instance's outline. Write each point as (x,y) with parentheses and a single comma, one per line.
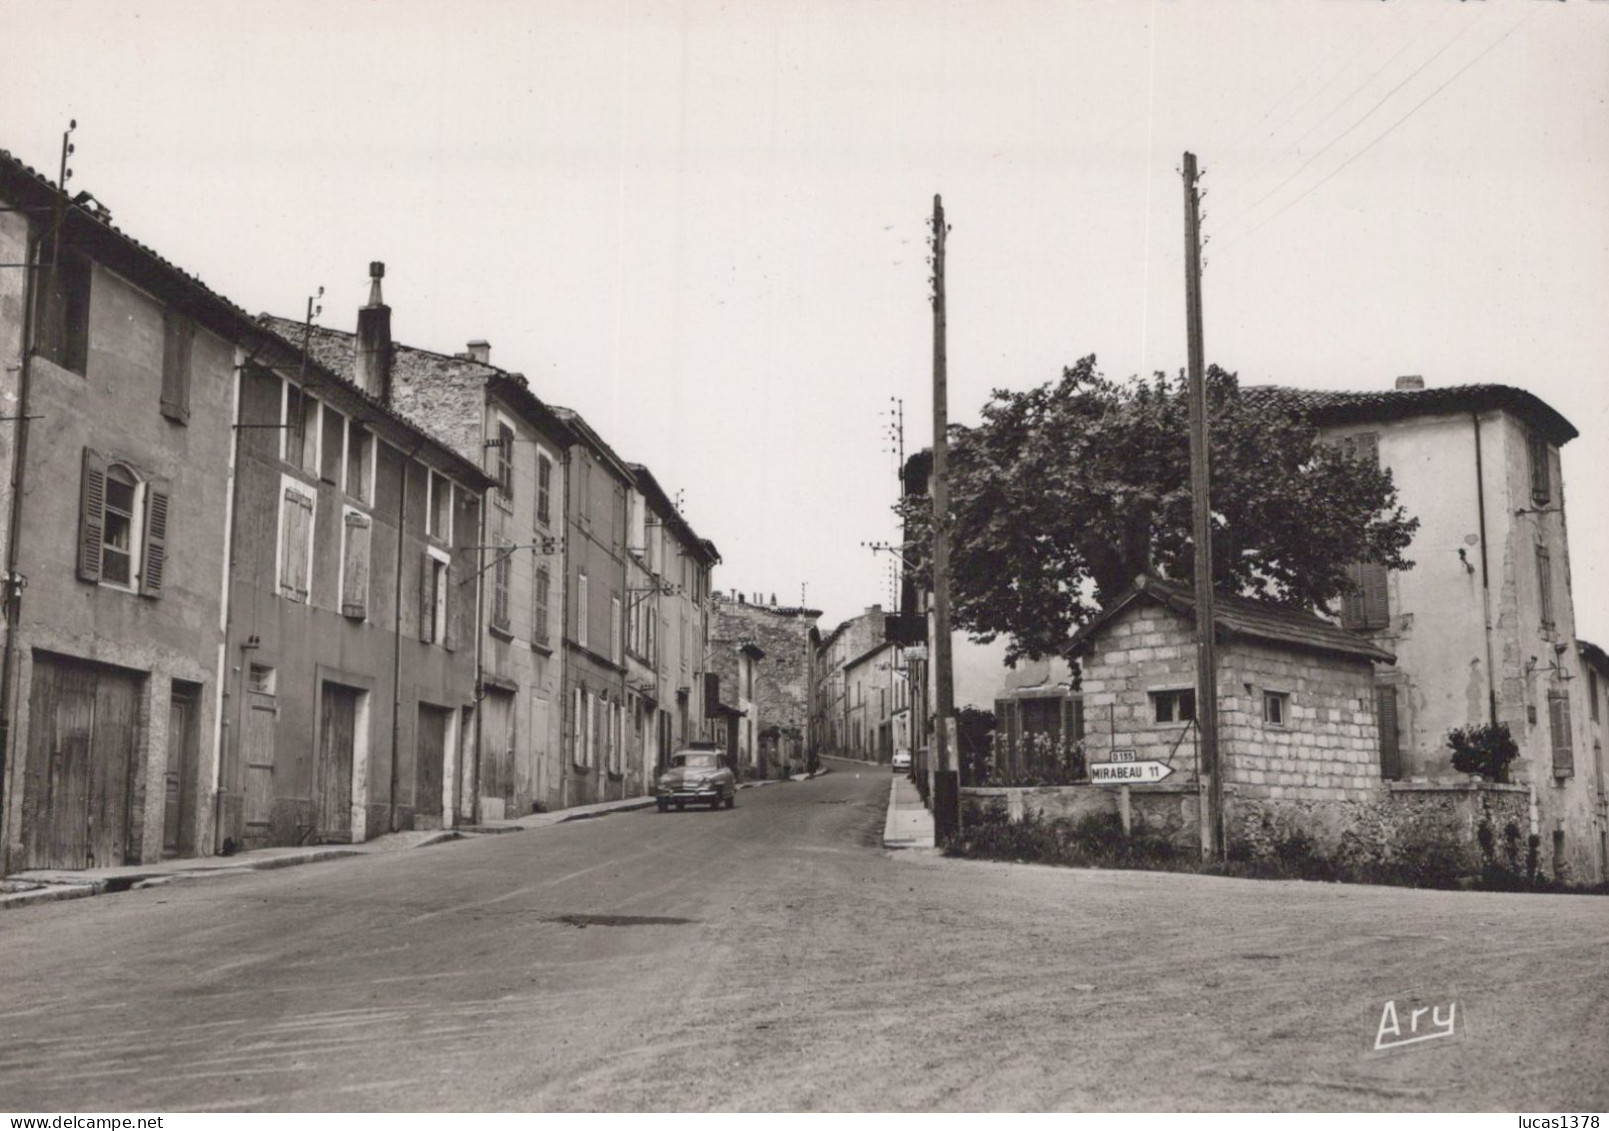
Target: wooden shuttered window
(1385,717)
(295,539)
(178,340)
(500,572)
(540,593)
(61,333)
(1559,726)
(427,598)
(1544,585)
(91,515)
(355,566)
(451,608)
(1541,479)
(154,554)
(614,629)
(544,489)
(1368,605)
(505,462)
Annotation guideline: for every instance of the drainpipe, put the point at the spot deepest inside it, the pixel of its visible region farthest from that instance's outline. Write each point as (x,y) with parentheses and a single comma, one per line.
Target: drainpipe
(19,467)
(1486,583)
(480,615)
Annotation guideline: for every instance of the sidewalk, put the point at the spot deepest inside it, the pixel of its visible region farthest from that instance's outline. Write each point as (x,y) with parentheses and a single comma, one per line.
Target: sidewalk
(909,824)
(22,889)
(48,885)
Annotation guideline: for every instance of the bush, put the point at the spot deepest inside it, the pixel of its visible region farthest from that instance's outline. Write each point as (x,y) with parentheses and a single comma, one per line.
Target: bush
(1484,748)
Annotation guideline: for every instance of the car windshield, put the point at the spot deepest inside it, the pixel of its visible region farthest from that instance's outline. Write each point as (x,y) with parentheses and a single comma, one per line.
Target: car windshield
(695,761)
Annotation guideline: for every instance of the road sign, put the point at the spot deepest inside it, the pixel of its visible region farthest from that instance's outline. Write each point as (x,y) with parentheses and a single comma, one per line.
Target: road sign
(1128,772)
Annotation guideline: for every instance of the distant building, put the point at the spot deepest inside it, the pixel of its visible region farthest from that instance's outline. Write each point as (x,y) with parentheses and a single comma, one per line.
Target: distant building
(832,711)
(875,691)
(782,677)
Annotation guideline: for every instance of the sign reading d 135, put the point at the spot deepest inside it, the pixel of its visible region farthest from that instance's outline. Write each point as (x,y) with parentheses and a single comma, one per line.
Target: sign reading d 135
(1128,772)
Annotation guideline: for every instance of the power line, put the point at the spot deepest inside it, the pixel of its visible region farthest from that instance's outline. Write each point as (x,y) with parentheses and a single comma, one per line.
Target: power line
(1366,115)
(1388,132)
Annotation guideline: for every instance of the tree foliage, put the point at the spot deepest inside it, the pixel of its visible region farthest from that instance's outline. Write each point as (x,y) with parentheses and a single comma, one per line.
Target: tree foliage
(1066,492)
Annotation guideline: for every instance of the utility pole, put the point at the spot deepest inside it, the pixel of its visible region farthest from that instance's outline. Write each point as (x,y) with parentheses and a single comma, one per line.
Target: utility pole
(946,763)
(1201,512)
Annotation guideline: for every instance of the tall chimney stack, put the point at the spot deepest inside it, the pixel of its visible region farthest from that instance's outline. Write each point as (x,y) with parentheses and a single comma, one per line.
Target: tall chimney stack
(373,369)
(481,350)
(1410,382)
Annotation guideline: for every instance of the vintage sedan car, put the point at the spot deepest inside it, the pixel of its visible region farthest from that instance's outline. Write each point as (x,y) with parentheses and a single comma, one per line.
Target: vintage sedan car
(902,760)
(696,777)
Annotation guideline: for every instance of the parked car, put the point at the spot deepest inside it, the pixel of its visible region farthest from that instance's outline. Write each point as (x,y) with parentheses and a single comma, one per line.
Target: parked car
(695,776)
(902,761)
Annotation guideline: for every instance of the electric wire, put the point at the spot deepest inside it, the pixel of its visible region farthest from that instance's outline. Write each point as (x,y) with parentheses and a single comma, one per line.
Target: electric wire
(1372,110)
(1381,137)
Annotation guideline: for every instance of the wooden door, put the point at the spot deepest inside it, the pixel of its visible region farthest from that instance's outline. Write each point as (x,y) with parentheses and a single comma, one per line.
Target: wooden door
(179,802)
(429,761)
(81,745)
(257,759)
(332,778)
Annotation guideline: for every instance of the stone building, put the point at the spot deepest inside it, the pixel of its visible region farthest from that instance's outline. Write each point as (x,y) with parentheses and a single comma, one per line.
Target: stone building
(782,678)
(351,619)
(1483,626)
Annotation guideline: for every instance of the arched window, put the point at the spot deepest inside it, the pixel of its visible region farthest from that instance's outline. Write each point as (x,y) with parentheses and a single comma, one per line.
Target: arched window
(121,533)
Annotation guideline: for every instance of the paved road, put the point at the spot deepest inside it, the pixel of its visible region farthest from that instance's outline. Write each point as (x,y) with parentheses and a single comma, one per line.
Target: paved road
(774,957)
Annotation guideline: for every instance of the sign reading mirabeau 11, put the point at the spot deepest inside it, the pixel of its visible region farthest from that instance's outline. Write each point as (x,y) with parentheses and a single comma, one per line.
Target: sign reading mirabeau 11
(1124,769)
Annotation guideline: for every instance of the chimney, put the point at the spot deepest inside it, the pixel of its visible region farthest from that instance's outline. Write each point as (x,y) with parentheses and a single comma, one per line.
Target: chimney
(1412,381)
(373,371)
(480,350)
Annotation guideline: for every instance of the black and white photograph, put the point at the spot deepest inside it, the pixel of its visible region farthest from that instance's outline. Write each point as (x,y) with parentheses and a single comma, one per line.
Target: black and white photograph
(803,556)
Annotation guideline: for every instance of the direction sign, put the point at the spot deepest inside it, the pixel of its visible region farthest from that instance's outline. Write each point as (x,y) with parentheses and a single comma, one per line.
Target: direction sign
(1128,773)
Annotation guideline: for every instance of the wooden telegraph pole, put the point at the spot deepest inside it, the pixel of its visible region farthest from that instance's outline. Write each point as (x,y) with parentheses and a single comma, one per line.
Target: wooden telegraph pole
(946,763)
(1201,508)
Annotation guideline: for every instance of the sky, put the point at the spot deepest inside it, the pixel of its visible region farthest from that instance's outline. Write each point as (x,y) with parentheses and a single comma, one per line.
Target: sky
(702,225)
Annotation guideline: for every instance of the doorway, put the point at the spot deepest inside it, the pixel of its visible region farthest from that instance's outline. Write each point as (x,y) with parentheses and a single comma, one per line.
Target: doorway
(332,776)
(179,782)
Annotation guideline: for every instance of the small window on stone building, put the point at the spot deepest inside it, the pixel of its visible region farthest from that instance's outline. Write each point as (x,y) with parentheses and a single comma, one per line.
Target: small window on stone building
(329,469)
(261,679)
(1276,708)
(122,527)
(440,509)
(301,429)
(1174,706)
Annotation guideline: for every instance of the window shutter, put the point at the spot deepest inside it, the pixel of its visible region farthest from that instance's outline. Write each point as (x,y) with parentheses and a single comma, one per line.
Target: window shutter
(449,634)
(1352,601)
(154,570)
(355,570)
(298,521)
(1376,599)
(427,598)
(614,629)
(1365,446)
(178,336)
(576,708)
(1563,744)
(1385,715)
(91,515)
(500,588)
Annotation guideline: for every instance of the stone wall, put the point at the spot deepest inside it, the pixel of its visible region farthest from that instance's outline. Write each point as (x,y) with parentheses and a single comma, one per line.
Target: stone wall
(1435,828)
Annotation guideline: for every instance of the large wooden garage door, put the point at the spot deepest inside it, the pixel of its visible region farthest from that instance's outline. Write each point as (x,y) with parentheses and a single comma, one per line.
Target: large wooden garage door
(82,727)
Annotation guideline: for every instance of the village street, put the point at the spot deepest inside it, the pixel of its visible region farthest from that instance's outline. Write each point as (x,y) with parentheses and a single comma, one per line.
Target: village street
(775,957)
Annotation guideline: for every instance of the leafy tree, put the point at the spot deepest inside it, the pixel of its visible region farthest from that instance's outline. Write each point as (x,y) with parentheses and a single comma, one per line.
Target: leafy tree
(1066,492)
